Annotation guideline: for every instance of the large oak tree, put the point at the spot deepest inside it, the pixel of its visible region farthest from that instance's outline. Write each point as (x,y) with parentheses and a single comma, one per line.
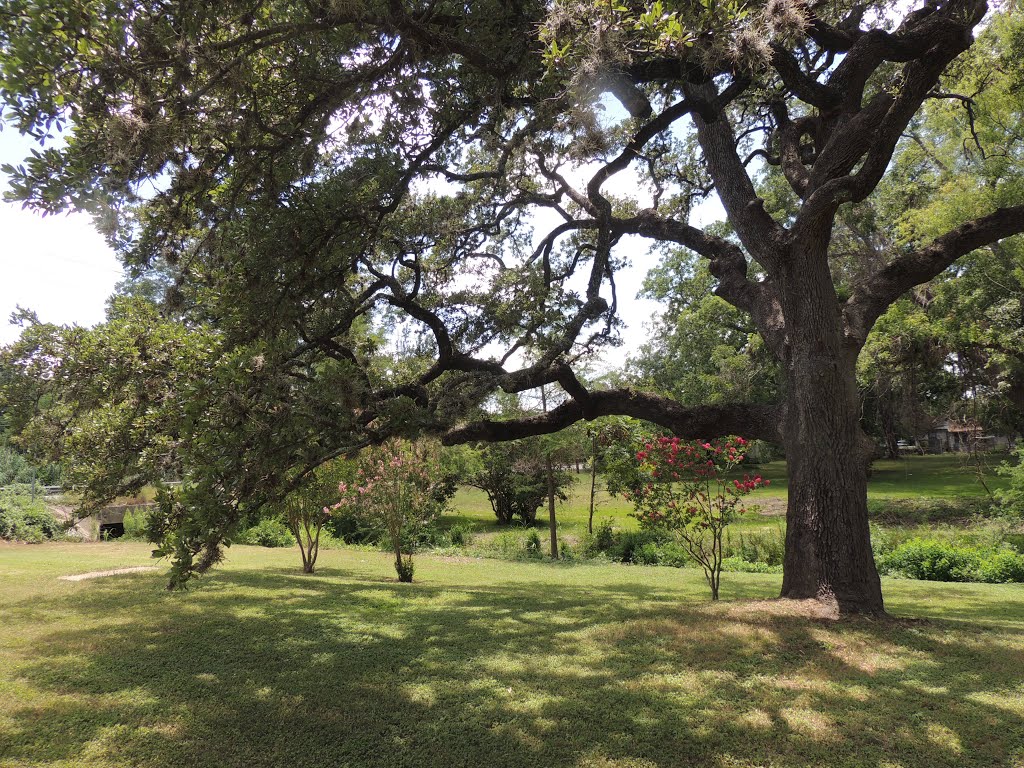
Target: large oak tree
(311,171)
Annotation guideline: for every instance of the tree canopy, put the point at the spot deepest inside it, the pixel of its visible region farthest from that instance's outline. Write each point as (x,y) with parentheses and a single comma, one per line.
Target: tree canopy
(470,177)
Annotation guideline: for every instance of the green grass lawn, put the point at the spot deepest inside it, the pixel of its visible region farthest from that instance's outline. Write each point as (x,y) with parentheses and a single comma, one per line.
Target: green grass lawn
(944,476)
(487,663)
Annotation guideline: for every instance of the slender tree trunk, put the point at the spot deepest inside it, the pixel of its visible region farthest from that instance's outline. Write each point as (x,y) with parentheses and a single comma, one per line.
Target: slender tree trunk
(593,486)
(552,525)
(828,547)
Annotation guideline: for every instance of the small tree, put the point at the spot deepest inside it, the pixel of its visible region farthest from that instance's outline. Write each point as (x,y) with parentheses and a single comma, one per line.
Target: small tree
(306,520)
(307,509)
(399,490)
(684,488)
(515,478)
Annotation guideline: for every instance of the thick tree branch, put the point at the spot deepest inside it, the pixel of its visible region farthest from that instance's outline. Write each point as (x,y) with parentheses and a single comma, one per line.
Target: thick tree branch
(758,232)
(652,128)
(725,261)
(802,85)
(753,421)
(870,298)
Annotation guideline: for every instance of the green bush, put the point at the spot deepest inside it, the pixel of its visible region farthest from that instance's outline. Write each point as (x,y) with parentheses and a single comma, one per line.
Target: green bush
(604,536)
(267,533)
(1003,566)
(23,518)
(459,535)
(739,565)
(645,554)
(1011,499)
(674,555)
(928,510)
(514,544)
(532,543)
(766,547)
(628,544)
(136,524)
(941,560)
(931,560)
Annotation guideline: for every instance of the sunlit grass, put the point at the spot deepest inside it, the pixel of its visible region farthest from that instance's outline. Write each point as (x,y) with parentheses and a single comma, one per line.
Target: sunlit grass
(944,476)
(490,663)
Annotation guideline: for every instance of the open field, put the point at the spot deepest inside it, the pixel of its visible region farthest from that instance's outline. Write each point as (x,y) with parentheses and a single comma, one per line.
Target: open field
(490,663)
(946,476)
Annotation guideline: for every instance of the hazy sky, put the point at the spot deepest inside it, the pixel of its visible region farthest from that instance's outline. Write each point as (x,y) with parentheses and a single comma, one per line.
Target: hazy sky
(59,266)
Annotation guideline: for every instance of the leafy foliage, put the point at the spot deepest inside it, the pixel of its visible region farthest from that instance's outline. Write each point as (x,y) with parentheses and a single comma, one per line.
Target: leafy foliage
(514,477)
(934,560)
(684,490)
(114,403)
(398,490)
(268,533)
(1012,499)
(347,192)
(24,516)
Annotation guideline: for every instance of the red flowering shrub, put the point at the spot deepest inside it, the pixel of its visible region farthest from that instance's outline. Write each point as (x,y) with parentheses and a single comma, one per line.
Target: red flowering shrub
(684,488)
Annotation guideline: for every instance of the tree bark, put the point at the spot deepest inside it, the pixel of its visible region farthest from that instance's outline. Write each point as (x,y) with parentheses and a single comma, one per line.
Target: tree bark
(828,548)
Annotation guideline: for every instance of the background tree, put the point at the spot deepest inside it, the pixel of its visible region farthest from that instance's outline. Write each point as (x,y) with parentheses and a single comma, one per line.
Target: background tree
(701,349)
(319,167)
(515,477)
(307,507)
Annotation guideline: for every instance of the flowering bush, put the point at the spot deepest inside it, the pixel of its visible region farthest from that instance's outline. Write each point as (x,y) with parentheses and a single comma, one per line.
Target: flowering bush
(399,489)
(686,489)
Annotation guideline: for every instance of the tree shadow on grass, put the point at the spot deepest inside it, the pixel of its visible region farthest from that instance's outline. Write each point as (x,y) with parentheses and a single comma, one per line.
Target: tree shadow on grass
(262,668)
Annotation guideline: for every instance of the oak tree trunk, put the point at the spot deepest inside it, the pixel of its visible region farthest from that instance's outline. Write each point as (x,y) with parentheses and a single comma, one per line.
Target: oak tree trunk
(828,547)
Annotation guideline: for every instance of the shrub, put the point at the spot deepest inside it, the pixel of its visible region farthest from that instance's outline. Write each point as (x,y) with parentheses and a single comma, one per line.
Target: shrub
(532,544)
(399,491)
(23,518)
(645,554)
(404,568)
(1011,500)
(673,554)
(1002,566)
(931,560)
(515,544)
(267,533)
(604,536)
(627,543)
(459,535)
(683,488)
(739,565)
(136,524)
(928,510)
(767,548)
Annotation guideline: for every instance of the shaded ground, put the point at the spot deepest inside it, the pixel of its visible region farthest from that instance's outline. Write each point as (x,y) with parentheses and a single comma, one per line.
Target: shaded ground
(494,664)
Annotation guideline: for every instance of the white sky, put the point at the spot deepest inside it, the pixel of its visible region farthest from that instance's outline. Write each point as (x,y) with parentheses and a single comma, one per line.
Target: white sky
(58,266)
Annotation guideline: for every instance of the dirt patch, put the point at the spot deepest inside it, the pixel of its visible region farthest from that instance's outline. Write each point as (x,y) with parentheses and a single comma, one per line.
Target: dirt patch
(457,559)
(769,506)
(112,572)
